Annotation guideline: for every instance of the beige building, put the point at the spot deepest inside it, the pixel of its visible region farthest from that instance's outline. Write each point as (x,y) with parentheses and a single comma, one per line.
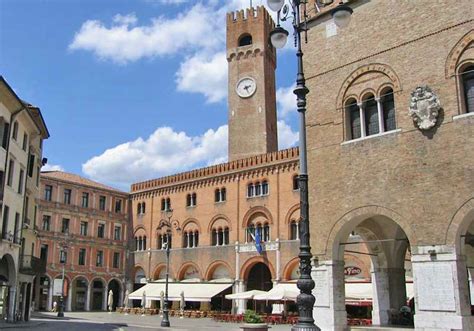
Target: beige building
(23,131)
(82,229)
(390,160)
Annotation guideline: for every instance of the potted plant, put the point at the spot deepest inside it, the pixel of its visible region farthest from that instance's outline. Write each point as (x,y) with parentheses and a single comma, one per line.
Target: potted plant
(253,322)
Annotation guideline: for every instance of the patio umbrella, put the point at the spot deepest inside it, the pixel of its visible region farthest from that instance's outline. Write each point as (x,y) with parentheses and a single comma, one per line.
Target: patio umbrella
(182,303)
(125,300)
(162,301)
(110,300)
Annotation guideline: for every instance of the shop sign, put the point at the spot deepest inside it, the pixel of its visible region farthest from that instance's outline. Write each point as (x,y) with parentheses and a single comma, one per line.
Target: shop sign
(352,271)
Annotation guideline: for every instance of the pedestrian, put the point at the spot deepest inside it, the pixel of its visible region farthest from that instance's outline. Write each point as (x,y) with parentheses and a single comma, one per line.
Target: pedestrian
(55,306)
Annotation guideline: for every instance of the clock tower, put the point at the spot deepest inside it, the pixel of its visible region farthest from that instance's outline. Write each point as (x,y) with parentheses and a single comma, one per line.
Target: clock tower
(252,100)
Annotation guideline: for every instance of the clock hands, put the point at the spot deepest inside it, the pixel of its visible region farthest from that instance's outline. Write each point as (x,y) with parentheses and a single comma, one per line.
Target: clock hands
(246,88)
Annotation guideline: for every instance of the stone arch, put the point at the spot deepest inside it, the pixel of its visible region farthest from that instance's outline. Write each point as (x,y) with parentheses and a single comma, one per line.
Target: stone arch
(216,219)
(102,279)
(247,266)
(138,228)
(459,224)
(255,211)
(351,219)
(159,268)
(137,267)
(185,266)
(9,265)
(293,263)
(456,52)
(213,266)
(80,276)
(191,221)
(373,67)
(290,212)
(368,91)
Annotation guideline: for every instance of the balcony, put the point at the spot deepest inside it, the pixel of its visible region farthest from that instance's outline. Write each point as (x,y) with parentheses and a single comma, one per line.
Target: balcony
(31,265)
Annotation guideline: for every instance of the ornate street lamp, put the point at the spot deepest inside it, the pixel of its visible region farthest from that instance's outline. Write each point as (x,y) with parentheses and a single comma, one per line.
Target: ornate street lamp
(165,322)
(278,37)
(63,259)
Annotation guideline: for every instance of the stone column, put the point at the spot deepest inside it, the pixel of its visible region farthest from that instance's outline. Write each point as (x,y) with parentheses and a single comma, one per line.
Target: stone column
(441,291)
(23,300)
(471,283)
(362,119)
(11,304)
(278,261)
(380,115)
(87,305)
(381,296)
(69,297)
(104,298)
(241,304)
(329,309)
(50,295)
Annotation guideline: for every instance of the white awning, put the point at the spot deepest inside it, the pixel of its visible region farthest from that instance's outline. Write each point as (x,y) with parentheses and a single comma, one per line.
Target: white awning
(244,295)
(192,291)
(364,291)
(280,292)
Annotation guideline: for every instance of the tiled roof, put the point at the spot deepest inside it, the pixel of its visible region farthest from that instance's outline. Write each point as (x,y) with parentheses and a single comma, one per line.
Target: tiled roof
(76,179)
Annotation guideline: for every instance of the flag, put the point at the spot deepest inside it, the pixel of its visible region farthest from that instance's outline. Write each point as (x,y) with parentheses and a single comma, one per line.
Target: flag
(258,241)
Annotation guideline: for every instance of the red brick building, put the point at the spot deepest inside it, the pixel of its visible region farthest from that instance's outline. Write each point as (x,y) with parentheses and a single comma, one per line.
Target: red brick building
(83,223)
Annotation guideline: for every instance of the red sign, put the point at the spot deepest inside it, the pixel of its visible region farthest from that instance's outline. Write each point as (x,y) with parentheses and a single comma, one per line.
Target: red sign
(352,271)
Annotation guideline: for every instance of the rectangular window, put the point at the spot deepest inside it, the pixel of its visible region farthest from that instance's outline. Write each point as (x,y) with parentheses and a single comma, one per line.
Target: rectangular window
(118,206)
(11,169)
(85,199)
(101,230)
(20,181)
(48,192)
(37,176)
(62,256)
(46,222)
(65,225)
(84,228)
(67,196)
(354,114)
(6,128)
(371,117)
(15,131)
(102,201)
(117,232)
(100,259)
(5,222)
(25,142)
(44,252)
(116,261)
(31,165)
(82,256)
(16,230)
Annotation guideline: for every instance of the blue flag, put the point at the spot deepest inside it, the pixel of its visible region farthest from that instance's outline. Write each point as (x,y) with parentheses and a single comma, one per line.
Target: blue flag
(258,241)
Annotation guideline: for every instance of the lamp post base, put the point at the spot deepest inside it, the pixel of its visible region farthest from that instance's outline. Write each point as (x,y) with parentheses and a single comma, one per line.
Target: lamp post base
(165,322)
(305,328)
(61,308)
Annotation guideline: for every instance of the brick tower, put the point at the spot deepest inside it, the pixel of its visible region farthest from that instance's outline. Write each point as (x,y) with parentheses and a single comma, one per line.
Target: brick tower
(251,66)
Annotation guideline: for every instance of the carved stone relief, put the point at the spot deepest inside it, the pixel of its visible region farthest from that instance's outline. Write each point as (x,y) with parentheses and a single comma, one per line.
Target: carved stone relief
(424,107)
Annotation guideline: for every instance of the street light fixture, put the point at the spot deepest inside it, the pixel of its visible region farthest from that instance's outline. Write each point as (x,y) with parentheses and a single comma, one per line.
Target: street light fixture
(278,37)
(165,322)
(63,258)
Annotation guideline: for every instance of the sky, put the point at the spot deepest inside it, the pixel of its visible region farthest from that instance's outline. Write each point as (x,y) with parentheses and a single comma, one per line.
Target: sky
(130,89)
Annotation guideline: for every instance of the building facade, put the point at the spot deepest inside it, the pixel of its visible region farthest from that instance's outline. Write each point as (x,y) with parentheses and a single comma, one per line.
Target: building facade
(390,149)
(23,131)
(83,231)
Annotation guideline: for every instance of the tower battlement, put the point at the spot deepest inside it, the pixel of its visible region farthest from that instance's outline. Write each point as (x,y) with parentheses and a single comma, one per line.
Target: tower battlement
(256,14)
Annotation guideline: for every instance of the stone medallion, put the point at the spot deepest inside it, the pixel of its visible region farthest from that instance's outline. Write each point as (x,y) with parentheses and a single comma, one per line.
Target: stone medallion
(424,107)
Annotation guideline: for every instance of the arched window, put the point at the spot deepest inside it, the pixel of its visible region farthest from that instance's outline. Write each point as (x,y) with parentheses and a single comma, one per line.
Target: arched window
(168,204)
(467,79)
(294,230)
(143,208)
(162,239)
(136,244)
(159,241)
(190,239)
(220,195)
(296,184)
(163,204)
(144,243)
(250,233)
(196,238)
(354,118)
(266,232)
(264,187)
(250,190)
(188,200)
(223,194)
(388,108)
(226,236)
(139,208)
(371,116)
(191,200)
(258,189)
(214,241)
(194,199)
(245,40)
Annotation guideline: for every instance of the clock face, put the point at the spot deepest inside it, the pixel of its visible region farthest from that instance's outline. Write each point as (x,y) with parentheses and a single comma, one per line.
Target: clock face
(246,87)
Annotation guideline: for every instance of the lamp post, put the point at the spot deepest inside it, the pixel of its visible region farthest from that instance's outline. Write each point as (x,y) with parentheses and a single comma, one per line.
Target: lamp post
(63,258)
(278,38)
(165,322)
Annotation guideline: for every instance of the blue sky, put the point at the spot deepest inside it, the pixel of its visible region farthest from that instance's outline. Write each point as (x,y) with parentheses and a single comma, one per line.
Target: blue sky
(130,89)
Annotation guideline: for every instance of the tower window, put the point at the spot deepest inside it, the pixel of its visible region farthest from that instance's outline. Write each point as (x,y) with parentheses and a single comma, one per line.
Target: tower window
(467,77)
(245,40)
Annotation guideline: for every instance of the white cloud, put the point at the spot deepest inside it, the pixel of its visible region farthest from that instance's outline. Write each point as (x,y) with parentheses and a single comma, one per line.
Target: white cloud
(286,136)
(164,152)
(191,30)
(286,100)
(129,19)
(204,74)
(52,167)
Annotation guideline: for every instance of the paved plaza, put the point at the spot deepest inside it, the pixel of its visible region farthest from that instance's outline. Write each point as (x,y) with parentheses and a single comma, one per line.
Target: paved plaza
(101,321)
